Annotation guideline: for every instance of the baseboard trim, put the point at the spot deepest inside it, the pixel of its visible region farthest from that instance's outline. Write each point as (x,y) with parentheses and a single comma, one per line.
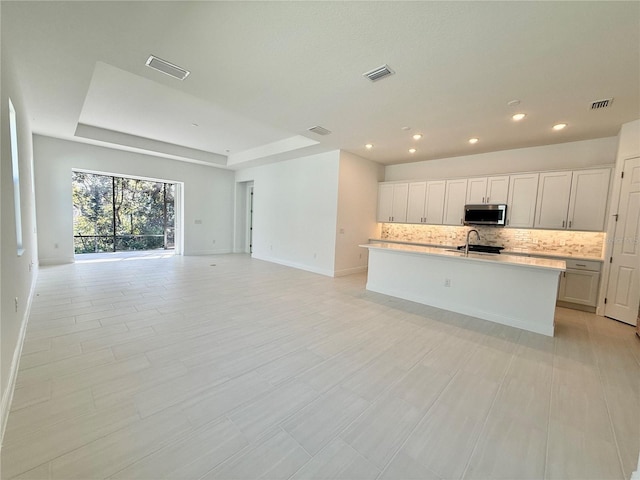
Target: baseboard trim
(350,271)
(7,398)
(56,261)
(299,266)
(199,253)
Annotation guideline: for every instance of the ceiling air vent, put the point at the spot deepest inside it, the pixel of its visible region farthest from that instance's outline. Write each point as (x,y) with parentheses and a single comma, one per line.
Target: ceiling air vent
(319,130)
(378,73)
(598,104)
(167,68)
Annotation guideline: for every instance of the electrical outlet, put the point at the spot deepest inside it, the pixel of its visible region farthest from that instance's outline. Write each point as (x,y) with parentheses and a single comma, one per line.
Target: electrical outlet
(447,282)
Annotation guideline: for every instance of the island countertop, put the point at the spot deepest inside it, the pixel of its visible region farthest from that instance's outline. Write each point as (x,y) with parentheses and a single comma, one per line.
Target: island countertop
(515,260)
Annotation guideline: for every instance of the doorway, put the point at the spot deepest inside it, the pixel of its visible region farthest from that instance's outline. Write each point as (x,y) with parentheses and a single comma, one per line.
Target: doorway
(623,289)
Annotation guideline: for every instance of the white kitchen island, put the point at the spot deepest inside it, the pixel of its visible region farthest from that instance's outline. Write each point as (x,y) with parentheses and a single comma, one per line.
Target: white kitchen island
(507,289)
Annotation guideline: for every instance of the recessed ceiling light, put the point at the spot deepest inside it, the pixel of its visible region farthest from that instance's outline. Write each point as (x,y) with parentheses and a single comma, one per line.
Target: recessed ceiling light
(513,103)
(194,124)
(369,146)
(519,116)
(559,126)
(417,136)
(406,128)
(412,150)
(473,140)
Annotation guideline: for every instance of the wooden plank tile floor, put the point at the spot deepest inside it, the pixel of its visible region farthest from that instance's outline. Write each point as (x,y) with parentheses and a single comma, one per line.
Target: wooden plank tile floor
(225,367)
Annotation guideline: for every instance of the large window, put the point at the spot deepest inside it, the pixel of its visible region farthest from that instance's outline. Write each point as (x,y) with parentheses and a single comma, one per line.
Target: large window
(15,167)
(113,214)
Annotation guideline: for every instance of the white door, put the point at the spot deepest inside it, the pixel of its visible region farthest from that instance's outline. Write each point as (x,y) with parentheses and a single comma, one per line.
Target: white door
(623,290)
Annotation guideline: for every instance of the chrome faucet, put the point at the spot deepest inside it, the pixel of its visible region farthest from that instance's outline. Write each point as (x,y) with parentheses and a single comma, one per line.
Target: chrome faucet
(466,245)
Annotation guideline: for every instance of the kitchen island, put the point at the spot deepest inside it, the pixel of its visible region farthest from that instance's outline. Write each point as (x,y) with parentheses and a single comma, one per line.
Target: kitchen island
(512,290)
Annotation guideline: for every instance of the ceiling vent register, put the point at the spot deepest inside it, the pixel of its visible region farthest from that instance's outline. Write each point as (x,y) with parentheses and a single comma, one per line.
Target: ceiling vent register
(598,104)
(319,130)
(167,68)
(379,73)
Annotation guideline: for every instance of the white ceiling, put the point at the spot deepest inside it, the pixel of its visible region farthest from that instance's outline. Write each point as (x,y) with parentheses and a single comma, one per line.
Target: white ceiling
(264,72)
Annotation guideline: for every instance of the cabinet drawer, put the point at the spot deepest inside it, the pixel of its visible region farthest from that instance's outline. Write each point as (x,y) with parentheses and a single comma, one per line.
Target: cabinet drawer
(583,265)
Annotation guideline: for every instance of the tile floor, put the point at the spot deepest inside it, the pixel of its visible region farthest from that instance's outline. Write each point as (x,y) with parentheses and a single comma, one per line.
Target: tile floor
(226,367)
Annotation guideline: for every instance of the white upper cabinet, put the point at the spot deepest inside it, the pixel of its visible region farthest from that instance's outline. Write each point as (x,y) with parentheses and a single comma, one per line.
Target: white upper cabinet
(588,201)
(488,190)
(573,200)
(415,208)
(476,190)
(521,204)
(497,189)
(455,199)
(426,202)
(434,206)
(392,202)
(554,189)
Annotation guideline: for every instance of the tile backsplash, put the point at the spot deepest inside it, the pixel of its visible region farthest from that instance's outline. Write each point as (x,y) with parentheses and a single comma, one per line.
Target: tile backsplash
(555,242)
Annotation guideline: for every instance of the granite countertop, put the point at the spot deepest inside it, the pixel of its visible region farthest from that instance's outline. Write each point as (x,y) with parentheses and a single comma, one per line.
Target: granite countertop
(513,260)
(552,255)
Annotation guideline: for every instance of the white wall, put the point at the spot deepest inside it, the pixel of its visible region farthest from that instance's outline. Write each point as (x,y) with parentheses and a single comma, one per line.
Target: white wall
(357,203)
(208,194)
(295,210)
(601,151)
(18,272)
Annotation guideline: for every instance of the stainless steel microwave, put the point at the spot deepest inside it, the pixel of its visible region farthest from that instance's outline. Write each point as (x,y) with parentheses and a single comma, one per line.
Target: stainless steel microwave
(495,214)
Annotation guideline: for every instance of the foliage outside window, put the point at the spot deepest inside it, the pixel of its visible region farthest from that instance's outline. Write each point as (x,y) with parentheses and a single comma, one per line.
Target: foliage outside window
(119,214)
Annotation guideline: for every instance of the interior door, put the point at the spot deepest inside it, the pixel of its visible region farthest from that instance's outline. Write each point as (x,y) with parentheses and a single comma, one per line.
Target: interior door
(623,290)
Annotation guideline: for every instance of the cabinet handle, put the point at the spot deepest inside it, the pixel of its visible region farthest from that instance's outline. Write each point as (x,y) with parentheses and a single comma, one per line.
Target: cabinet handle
(507,221)
(569,223)
(564,274)
(487,199)
(580,265)
(461,222)
(562,223)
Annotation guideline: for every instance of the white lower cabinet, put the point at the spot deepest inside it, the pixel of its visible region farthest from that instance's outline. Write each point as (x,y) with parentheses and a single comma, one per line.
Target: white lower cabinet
(579,284)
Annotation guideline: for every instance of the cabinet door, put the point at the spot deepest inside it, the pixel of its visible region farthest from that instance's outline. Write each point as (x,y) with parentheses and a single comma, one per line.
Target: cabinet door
(588,202)
(385,202)
(497,189)
(455,197)
(554,189)
(434,203)
(476,190)
(400,198)
(415,208)
(521,204)
(579,286)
